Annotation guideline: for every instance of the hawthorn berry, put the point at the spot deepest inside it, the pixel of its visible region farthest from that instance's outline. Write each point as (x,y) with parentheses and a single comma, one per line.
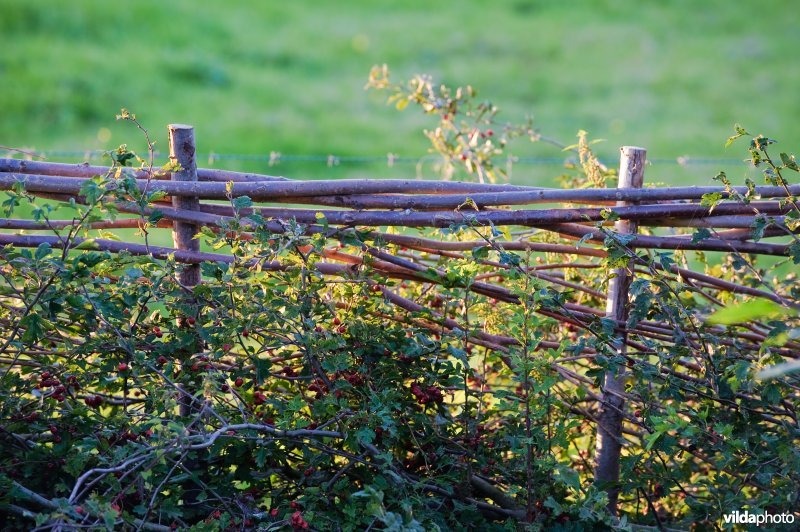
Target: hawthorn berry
(93,401)
(297,521)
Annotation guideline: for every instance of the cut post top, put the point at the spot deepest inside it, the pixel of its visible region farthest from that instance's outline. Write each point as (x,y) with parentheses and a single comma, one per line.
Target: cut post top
(631,149)
(631,168)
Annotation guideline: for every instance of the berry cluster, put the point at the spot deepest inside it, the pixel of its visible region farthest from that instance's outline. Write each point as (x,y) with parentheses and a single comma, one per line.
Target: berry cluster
(428,394)
(297,521)
(58,390)
(94,401)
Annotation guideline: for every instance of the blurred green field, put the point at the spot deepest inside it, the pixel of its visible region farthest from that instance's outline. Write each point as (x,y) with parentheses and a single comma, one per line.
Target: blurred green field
(257,77)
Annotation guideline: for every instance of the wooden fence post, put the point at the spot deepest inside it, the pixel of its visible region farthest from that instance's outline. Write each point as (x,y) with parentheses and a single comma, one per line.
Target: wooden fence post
(609,423)
(182,151)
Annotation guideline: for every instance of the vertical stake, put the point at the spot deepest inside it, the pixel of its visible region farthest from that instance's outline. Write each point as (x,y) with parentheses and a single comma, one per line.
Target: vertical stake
(609,423)
(182,151)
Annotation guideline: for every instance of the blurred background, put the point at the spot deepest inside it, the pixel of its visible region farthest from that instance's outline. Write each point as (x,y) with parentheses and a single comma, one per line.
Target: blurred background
(288,77)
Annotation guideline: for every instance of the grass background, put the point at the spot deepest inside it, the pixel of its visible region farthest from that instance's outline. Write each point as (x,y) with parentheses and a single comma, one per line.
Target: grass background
(255,77)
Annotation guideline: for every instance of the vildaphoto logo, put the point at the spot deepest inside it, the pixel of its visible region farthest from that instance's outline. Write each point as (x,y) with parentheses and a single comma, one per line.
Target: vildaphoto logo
(748,518)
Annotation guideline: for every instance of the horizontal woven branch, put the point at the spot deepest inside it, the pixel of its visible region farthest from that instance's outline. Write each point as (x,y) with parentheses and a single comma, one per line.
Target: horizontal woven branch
(459,193)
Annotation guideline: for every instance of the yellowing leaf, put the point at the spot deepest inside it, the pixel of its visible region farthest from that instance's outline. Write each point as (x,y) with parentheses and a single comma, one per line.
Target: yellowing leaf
(747,311)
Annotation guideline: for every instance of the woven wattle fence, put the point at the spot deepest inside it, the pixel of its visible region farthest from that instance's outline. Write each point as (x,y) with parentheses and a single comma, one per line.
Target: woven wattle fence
(569,228)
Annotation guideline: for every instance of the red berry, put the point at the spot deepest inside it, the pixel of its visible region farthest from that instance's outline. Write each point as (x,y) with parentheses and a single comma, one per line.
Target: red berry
(274,512)
(227,347)
(489,132)
(297,521)
(337,321)
(190,320)
(245,333)
(162,360)
(79,509)
(238,382)
(122,367)
(638,413)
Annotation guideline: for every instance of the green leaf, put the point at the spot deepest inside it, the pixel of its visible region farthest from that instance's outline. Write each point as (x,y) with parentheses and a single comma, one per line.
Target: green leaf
(43,251)
(34,326)
(701,234)
(740,132)
(712,199)
(758,226)
(747,311)
(89,243)
(789,162)
(794,252)
(771,394)
(480,252)
(157,195)
(242,202)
